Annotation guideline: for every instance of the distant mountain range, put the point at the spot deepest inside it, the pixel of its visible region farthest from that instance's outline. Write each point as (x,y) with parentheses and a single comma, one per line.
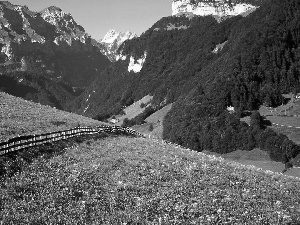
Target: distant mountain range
(46,56)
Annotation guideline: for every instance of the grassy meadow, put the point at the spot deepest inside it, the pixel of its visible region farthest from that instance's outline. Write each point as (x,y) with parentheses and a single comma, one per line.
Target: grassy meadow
(155,120)
(288,125)
(258,158)
(121,180)
(293,121)
(134,109)
(21,117)
(291,132)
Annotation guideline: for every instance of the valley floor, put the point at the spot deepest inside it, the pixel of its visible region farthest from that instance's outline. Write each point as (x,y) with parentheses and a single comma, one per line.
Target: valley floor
(257,158)
(119,180)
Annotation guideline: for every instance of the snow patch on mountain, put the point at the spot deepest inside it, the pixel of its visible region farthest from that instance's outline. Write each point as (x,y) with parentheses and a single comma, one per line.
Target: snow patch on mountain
(219,47)
(86,108)
(171,26)
(136,65)
(217,8)
(121,57)
(88,98)
(8,51)
(174,27)
(110,37)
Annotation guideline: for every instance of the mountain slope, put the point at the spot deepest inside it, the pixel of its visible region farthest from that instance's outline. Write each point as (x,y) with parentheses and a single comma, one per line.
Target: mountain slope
(260,63)
(21,117)
(37,88)
(165,61)
(50,40)
(204,67)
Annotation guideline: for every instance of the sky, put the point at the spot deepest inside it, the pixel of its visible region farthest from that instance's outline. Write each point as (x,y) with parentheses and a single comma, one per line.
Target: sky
(99,16)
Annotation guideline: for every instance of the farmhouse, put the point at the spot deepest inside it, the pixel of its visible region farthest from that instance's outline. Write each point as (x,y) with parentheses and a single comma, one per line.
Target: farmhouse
(230,109)
(114,121)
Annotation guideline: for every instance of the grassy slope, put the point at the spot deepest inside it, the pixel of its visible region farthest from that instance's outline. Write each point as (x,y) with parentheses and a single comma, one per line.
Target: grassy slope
(291,132)
(134,109)
(20,117)
(156,120)
(288,125)
(159,115)
(138,181)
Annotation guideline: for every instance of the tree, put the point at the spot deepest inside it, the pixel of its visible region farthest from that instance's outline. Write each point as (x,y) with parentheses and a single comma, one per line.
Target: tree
(126,123)
(151,128)
(256,120)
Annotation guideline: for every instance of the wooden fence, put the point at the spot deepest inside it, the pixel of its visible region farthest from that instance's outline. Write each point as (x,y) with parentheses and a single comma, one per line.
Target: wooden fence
(23,142)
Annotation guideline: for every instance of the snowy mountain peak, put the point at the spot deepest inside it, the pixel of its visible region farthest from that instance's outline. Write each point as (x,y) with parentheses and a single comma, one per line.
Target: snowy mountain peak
(54,9)
(112,41)
(110,36)
(217,8)
(113,36)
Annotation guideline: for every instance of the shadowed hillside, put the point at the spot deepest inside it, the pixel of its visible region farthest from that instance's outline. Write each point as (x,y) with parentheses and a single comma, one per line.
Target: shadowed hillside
(38,88)
(21,117)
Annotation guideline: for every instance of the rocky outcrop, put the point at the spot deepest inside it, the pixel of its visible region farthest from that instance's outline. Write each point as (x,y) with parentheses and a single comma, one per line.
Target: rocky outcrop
(65,25)
(220,9)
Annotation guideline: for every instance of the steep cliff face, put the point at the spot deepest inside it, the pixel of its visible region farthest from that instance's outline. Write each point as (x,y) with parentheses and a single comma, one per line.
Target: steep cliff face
(65,25)
(50,41)
(220,9)
(112,41)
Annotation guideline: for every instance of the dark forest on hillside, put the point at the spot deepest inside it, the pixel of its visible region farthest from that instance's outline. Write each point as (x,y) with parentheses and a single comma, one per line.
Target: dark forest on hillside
(265,52)
(38,88)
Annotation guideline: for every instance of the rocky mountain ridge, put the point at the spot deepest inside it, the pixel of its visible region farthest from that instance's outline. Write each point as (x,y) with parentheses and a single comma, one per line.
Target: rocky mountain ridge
(50,41)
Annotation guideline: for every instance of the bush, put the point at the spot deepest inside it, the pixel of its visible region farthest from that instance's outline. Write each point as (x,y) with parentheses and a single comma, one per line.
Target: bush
(151,128)
(127,123)
(122,112)
(102,117)
(256,120)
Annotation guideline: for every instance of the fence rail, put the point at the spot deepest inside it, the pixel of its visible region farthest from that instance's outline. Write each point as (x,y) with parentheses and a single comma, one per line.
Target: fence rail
(23,142)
